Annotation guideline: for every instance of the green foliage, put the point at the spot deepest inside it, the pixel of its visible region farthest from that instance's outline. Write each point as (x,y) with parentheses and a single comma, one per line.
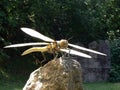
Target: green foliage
(64,19)
(115,61)
(83,20)
(113,18)
(13,15)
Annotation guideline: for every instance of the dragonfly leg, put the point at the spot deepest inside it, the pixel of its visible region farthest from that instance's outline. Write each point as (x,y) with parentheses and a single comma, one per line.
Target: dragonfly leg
(62,54)
(44,58)
(37,61)
(55,55)
(67,54)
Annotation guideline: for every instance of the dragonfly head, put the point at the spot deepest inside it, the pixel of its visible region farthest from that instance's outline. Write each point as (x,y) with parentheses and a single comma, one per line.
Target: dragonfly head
(63,44)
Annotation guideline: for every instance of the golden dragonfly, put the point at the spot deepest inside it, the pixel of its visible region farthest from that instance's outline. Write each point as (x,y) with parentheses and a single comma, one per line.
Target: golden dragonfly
(51,46)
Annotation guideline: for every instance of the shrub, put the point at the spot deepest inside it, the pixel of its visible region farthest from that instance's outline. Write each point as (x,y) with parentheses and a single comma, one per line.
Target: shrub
(115,61)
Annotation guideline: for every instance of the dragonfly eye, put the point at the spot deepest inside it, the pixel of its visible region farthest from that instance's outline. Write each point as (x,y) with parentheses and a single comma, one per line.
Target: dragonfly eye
(63,44)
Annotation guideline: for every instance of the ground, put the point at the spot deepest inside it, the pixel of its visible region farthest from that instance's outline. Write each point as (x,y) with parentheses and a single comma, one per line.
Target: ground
(18,85)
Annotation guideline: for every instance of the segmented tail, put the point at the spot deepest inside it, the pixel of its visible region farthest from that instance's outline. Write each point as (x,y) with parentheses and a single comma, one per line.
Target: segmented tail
(35,49)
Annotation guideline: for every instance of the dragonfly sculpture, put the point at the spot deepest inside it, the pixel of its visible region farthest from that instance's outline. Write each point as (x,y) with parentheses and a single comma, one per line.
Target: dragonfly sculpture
(51,46)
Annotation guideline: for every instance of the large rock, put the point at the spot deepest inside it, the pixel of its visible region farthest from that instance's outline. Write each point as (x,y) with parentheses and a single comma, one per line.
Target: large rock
(58,74)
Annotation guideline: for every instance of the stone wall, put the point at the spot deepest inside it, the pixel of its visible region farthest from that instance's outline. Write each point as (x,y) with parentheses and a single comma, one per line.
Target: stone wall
(96,69)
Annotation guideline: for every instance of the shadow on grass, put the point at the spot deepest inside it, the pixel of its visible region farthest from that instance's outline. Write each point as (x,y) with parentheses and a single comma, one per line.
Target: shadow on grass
(102,86)
(13,82)
(11,85)
(17,82)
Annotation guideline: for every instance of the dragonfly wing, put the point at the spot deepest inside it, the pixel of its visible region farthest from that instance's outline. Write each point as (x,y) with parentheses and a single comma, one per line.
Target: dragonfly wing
(36,34)
(74,52)
(85,49)
(25,44)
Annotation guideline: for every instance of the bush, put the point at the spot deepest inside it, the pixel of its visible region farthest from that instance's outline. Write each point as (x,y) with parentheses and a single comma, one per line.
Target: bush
(115,61)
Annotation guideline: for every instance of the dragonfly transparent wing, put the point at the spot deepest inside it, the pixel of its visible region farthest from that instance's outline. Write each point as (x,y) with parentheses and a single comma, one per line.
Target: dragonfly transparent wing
(25,44)
(85,49)
(36,34)
(74,52)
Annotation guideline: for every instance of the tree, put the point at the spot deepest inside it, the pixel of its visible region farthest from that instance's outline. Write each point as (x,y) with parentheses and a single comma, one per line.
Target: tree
(82,20)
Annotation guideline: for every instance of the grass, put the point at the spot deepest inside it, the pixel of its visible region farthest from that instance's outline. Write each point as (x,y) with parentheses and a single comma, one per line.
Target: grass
(11,86)
(18,84)
(102,86)
(12,83)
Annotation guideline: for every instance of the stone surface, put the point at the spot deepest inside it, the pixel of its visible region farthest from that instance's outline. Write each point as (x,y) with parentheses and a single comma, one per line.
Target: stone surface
(58,74)
(97,68)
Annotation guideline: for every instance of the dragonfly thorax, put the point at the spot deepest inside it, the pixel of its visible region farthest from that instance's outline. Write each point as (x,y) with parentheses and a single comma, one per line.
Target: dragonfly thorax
(63,44)
(57,45)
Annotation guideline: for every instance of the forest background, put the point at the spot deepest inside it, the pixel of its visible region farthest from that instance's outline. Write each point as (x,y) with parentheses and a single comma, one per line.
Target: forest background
(83,21)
